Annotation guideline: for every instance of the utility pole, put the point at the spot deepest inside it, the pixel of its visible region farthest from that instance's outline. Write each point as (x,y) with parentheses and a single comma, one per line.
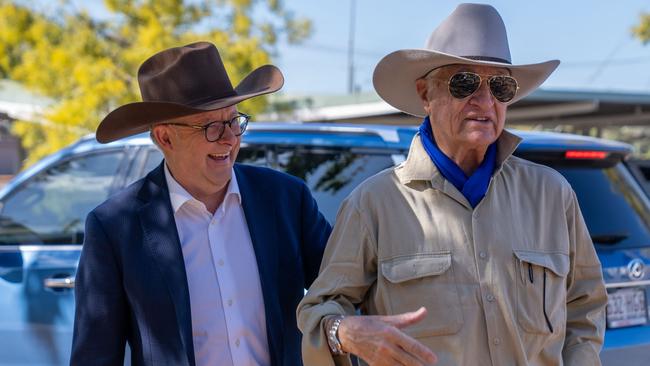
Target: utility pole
(353,6)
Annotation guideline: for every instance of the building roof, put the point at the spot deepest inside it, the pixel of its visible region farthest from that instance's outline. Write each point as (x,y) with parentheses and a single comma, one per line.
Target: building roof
(543,107)
(18,102)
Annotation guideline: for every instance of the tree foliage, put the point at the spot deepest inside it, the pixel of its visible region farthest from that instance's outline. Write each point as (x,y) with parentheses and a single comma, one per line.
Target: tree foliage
(88,65)
(642,30)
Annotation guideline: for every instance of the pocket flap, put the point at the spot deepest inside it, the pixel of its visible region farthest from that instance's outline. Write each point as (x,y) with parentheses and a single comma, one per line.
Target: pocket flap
(407,268)
(556,262)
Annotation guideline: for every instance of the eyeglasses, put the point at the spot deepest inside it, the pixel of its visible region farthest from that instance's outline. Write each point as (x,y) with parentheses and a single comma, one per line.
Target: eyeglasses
(214,130)
(463,84)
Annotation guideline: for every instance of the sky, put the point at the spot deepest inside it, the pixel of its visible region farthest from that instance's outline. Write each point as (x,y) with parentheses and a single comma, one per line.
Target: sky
(591,38)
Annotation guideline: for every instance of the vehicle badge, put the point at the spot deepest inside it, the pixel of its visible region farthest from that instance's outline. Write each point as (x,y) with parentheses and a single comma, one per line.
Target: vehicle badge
(636,269)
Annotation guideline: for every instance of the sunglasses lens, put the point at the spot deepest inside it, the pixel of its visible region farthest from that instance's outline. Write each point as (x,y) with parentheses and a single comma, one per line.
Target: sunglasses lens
(503,87)
(463,84)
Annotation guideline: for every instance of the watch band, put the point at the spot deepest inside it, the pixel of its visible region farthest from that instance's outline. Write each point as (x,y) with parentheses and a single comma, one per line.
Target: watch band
(333,336)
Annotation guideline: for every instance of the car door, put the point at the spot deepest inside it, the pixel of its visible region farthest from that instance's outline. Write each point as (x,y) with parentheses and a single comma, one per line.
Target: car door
(41,232)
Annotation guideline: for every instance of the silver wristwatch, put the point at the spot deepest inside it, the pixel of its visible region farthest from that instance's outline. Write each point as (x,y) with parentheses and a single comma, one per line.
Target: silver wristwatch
(333,336)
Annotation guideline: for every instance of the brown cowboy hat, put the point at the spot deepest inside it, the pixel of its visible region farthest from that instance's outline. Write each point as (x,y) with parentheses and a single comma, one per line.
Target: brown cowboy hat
(474,34)
(182,81)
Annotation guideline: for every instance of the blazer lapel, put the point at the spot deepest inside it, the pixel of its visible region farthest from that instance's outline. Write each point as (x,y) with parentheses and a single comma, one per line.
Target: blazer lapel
(163,244)
(260,217)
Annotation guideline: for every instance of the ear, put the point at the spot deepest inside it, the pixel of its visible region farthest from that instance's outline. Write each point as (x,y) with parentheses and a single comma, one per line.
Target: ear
(163,136)
(422,88)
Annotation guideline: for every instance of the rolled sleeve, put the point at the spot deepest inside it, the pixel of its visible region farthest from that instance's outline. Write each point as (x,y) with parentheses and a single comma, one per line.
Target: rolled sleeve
(348,269)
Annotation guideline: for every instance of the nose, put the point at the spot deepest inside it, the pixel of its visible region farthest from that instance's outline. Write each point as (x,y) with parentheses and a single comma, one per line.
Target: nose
(228,136)
(482,96)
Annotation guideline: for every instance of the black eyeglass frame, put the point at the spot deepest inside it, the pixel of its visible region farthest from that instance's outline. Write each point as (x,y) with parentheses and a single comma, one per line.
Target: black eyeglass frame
(489,79)
(205,127)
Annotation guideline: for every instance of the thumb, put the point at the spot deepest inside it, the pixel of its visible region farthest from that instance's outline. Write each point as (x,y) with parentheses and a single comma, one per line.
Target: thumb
(405,319)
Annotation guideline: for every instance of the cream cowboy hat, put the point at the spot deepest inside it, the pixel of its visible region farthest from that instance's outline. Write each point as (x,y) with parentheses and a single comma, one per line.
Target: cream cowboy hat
(474,34)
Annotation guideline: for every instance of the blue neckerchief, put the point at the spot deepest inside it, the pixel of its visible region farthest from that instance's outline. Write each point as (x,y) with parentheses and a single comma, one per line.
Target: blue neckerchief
(474,187)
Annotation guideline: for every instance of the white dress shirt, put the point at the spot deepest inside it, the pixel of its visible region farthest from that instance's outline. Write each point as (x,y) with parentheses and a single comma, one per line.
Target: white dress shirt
(227,307)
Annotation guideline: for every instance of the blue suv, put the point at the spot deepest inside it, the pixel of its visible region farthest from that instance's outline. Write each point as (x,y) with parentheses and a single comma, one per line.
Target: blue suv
(42,214)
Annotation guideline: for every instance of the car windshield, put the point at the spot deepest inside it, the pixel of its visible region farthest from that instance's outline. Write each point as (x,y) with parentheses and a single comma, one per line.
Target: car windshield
(51,208)
(615,209)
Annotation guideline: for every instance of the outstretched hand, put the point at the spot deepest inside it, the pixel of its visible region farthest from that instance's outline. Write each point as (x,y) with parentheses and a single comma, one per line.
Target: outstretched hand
(378,340)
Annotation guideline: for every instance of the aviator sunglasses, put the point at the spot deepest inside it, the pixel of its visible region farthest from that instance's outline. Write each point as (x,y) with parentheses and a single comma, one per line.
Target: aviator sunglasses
(465,83)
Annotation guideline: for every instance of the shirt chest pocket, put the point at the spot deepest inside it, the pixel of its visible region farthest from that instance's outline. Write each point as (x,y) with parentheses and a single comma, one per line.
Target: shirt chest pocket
(424,280)
(541,291)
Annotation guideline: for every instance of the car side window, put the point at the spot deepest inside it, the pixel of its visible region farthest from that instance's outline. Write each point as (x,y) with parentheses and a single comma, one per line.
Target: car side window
(331,174)
(626,221)
(51,207)
(254,155)
(248,154)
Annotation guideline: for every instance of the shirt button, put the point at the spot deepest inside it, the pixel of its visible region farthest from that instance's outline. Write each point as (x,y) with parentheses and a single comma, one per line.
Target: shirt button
(221,262)
(237,342)
(229,302)
(497,341)
(482,255)
(490,297)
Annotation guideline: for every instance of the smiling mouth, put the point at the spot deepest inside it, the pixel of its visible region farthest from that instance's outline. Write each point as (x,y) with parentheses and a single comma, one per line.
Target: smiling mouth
(219,157)
(479,119)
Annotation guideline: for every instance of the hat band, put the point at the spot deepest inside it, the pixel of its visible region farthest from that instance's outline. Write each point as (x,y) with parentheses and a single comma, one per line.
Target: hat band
(486,58)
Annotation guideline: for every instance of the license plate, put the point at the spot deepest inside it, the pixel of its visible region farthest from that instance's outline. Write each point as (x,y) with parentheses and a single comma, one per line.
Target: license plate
(626,307)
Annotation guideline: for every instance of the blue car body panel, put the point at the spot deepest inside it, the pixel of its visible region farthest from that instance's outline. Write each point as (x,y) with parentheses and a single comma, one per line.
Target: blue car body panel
(36,322)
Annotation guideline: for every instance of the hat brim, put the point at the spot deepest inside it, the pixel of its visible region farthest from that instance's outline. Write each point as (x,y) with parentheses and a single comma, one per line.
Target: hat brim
(134,118)
(395,75)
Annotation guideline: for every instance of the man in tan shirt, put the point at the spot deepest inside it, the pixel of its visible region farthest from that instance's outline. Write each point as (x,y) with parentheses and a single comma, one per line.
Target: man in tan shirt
(463,254)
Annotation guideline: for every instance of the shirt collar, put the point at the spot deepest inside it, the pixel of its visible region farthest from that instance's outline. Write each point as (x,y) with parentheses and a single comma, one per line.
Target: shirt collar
(418,164)
(179,195)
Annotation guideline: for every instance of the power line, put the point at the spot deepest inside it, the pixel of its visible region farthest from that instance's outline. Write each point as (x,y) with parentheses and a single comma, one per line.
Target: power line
(606,61)
(611,62)
(375,55)
(325,48)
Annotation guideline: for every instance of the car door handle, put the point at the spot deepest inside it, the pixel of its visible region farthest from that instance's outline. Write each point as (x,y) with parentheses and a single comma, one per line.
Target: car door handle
(59,283)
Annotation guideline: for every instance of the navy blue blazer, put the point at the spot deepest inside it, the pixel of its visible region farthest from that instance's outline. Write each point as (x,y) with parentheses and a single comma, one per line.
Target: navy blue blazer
(131,284)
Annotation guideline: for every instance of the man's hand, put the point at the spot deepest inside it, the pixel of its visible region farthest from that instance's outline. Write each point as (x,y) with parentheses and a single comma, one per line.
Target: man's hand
(378,340)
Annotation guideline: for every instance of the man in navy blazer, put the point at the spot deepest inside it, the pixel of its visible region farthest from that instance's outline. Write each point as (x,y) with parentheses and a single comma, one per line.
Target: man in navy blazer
(203,261)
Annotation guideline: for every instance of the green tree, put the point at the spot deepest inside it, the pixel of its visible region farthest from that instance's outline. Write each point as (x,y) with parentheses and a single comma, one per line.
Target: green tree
(88,65)
(642,30)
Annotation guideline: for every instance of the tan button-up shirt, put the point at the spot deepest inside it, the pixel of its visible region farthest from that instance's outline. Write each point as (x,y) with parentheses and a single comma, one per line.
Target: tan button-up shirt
(515,281)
